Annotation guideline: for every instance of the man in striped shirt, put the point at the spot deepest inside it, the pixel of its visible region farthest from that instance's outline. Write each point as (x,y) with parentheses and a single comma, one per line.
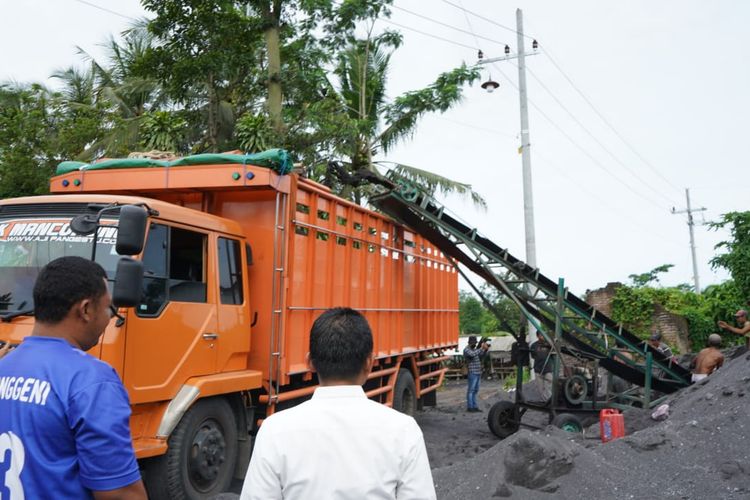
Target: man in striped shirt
(473,356)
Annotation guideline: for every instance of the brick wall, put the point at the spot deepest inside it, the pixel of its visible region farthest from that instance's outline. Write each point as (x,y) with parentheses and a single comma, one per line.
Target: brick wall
(674,328)
(601,299)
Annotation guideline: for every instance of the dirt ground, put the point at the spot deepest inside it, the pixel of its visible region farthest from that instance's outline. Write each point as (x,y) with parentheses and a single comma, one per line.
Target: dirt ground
(451,434)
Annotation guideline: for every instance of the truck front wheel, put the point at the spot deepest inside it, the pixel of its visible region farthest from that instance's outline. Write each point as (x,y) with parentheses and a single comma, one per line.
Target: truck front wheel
(201,457)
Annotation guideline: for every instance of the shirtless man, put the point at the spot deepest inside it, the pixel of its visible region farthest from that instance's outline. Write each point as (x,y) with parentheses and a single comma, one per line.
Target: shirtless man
(708,360)
(743,326)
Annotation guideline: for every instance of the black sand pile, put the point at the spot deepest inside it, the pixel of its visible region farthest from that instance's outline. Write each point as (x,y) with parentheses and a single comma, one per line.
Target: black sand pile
(701,451)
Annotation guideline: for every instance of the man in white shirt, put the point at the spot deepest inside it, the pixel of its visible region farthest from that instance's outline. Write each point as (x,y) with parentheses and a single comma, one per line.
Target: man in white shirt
(339,444)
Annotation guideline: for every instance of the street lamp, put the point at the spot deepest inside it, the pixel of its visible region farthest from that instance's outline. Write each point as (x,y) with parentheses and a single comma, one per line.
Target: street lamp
(490,85)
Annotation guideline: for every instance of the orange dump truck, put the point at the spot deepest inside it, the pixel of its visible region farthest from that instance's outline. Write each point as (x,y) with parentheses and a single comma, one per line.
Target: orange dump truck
(238,261)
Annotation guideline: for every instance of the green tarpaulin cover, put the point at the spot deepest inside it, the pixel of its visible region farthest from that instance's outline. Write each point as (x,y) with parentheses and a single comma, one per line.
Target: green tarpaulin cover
(275,159)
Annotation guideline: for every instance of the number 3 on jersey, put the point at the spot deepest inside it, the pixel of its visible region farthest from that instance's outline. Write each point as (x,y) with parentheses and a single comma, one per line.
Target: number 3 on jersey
(12,456)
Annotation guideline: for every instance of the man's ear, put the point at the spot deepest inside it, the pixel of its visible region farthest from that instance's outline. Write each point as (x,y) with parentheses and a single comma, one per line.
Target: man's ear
(309,362)
(84,309)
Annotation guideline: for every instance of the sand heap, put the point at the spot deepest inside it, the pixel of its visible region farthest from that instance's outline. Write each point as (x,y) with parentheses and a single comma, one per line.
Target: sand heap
(701,451)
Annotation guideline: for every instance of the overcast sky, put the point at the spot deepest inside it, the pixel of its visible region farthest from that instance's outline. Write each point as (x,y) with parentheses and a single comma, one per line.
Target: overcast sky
(670,77)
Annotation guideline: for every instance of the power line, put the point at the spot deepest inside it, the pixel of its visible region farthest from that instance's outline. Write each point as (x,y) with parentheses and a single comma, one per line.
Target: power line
(580,124)
(449,26)
(477,127)
(601,145)
(604,202)
(468,23)
(104,9)
(548,54)
(427,34)
(578,146)
(552,122)
(512,30)
(607,150)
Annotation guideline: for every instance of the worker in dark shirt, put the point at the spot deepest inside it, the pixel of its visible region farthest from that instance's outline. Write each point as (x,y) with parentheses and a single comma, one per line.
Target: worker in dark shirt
(473,356)
(544,364)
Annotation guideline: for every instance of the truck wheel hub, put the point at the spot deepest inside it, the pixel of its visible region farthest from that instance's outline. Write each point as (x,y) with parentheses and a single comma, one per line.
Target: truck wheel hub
(207,454)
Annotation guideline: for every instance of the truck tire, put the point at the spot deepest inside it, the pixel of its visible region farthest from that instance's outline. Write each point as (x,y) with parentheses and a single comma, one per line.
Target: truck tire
(568,422)
(405,393)
(501,419)
(200,461)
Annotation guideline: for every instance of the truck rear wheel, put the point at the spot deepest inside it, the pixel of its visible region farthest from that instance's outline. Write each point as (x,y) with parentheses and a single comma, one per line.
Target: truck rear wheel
(405,393)
(201,457)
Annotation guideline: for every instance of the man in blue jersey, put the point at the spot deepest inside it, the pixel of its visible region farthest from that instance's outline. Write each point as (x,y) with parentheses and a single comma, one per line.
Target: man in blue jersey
(64,415)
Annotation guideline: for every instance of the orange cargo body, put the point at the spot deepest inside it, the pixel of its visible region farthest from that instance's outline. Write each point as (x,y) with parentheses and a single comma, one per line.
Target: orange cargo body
(311,251)
(199,353)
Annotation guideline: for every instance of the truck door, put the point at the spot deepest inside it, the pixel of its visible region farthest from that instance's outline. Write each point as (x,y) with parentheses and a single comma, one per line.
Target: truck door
(172,334)
(232,306)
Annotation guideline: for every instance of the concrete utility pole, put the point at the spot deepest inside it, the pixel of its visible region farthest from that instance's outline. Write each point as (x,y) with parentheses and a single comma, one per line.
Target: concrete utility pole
(689,211)
(528,201)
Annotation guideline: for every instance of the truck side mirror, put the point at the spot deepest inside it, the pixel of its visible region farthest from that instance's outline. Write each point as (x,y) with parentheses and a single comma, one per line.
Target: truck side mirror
(131,230)
(128,287)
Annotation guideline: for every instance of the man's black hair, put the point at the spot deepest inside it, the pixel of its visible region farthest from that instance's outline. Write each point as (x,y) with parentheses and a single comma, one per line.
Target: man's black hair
(340,343)
(64,282)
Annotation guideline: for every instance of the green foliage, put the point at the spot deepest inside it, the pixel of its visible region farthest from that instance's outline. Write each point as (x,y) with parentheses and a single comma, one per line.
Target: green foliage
(634,307)
(211,76)
(252,133)
(37,129)
(476,319)
(650,277)
(402,115)
(470,314)
(163,130)
(736,256)
(510,381)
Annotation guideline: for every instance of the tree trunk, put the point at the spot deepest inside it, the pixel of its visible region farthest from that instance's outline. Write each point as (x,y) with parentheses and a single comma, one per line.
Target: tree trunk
(273,46)
(213,116)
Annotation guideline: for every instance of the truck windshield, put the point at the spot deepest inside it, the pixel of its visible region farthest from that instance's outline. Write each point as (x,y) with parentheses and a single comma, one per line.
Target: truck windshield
(27,245)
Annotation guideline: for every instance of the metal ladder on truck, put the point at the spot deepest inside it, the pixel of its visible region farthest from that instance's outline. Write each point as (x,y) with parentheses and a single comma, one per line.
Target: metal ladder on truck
(568,323)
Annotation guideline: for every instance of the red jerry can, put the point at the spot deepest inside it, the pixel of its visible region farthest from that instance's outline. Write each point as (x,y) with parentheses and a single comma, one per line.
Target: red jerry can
(611,425)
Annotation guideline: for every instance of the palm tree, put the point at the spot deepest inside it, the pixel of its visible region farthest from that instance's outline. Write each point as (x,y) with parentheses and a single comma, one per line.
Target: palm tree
(376,125)
(116,88)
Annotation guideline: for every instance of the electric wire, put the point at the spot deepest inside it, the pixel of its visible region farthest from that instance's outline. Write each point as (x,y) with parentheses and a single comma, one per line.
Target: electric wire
(104,9)
(386,20)
(603,202)
(552,122)
(468,23)
(507,28)
(595,139)
(579,185)
(575,87)
(578,146)
(627,143)
(580,124)
(449,26)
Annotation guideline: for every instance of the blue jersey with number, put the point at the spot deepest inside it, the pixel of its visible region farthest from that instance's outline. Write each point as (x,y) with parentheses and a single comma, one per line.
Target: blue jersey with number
(64,424)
